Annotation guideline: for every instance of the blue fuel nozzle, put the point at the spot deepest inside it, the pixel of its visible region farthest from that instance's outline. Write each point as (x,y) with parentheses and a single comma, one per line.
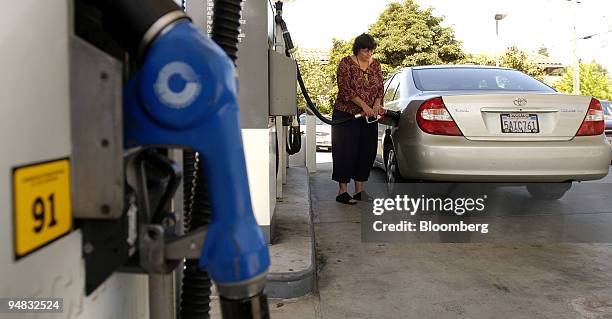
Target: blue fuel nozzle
(184,96)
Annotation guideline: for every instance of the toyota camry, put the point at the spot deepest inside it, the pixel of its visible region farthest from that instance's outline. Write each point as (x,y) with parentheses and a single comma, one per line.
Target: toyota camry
(488,124)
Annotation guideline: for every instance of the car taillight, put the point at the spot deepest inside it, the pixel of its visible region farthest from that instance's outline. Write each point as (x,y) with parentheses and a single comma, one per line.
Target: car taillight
(593,123)
(433,118)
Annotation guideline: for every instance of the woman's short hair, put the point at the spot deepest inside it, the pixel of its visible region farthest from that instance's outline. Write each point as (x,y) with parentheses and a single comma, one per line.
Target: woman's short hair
(363,41)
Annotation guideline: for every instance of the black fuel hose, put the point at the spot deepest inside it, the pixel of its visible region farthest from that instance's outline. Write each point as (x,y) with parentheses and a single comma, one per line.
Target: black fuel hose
(226,26)
(195,297)
(254,307)
(196,285)
(294,140)
(313,108)
(288,48)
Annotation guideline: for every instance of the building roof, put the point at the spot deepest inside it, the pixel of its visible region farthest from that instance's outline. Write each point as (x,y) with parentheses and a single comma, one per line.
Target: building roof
(543,61)
(539,59)
(320,55)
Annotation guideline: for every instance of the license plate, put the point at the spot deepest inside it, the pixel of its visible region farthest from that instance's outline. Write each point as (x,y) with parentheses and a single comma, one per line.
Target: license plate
(41,205)
(519,123)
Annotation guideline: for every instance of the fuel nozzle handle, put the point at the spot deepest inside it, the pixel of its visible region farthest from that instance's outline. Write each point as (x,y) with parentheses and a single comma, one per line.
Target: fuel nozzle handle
(386,117)
(395,115)
(201,113)
(289,47)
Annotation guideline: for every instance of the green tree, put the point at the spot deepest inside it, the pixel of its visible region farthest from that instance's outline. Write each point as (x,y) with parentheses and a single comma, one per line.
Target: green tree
(408,35)
(478,59)
(318,83)
(593,81)
(518,60)
(512,58)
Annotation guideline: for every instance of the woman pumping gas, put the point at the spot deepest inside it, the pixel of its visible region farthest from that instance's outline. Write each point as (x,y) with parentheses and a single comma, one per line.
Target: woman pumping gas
(360,90)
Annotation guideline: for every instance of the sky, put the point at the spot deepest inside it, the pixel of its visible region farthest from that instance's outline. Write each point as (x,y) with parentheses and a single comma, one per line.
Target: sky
(529,24)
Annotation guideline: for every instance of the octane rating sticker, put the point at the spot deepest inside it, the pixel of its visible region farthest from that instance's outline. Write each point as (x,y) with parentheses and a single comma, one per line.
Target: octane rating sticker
(41,204)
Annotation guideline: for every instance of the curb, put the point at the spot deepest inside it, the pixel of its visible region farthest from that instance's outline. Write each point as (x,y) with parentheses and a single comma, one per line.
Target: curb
(289,285)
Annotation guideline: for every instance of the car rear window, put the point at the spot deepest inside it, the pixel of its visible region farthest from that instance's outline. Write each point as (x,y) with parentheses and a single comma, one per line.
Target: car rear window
(454,79)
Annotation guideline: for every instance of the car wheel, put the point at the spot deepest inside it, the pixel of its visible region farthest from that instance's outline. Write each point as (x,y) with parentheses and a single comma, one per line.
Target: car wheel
(548,191)
(392,172)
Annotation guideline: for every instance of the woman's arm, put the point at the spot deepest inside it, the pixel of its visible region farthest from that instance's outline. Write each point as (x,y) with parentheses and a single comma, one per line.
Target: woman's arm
(379,90)
(366,109)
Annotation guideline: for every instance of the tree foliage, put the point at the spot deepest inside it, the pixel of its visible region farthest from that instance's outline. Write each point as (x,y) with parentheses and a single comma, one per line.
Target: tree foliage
(318,83)
(408,35)
(593,81)
(478,59)
(511,58)
(518,60)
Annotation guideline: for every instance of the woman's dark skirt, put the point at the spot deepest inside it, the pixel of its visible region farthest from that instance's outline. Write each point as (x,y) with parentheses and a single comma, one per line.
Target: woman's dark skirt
(354,146)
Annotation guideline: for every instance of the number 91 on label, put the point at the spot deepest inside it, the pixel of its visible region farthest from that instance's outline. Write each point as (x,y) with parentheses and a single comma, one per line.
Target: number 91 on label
(41,204)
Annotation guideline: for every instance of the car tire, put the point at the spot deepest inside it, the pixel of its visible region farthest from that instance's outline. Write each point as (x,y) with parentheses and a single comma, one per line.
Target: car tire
(548,191)
(392,174)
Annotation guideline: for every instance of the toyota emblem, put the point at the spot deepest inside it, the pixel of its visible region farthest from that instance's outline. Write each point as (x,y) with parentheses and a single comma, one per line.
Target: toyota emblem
(519,101)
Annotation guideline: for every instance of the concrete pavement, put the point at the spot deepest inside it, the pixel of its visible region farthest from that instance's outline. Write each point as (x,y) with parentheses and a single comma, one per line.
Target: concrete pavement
(370,280)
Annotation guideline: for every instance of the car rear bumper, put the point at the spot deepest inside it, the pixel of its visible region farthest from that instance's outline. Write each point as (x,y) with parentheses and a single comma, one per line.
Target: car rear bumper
(446,158)
(324,141)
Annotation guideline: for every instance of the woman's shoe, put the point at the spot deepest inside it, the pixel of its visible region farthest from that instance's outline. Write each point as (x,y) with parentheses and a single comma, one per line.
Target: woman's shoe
(363,196)
(345,198)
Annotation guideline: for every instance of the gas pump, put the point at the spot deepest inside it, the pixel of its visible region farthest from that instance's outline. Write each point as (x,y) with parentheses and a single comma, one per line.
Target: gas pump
(182,94)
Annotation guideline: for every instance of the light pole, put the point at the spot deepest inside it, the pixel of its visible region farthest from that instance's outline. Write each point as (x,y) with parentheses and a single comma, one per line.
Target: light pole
(575,61)
(498,17)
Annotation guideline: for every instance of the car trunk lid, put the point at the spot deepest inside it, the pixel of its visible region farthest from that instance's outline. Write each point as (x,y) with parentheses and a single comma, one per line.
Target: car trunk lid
(517,116)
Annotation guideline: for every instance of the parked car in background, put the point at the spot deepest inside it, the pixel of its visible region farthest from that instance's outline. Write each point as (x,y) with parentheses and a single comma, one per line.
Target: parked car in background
(323,132)
(488,124)
(607,108)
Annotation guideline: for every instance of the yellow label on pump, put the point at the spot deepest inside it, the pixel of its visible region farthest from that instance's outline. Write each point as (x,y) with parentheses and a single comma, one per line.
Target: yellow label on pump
(41,204)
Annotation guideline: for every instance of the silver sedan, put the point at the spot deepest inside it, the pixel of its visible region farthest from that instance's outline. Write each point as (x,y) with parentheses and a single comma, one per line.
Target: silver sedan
(487,124)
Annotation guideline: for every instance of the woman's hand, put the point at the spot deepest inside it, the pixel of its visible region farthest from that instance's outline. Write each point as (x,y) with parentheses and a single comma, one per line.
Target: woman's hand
(377,110)
(368,111)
